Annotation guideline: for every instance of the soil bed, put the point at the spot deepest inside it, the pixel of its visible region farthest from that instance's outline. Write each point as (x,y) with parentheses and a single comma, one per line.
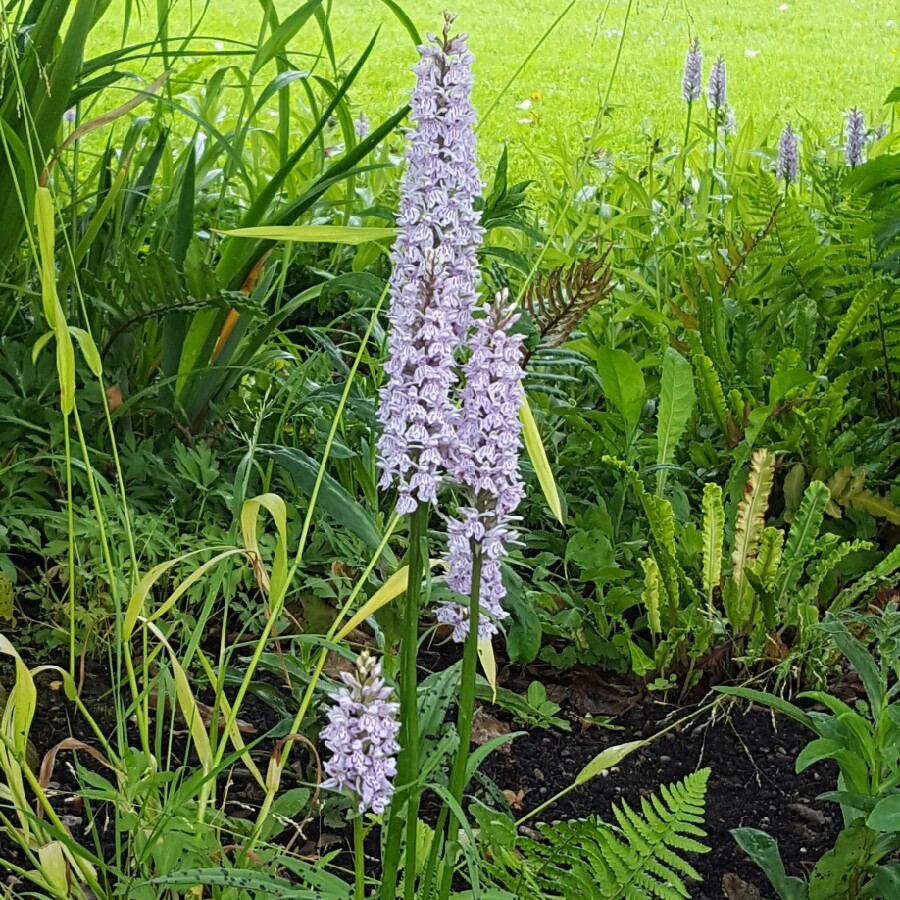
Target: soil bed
(751,753)
(752,783)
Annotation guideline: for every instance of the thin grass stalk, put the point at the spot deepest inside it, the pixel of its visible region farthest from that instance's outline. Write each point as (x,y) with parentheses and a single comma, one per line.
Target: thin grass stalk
(276,602)
(306,702)
(598,119)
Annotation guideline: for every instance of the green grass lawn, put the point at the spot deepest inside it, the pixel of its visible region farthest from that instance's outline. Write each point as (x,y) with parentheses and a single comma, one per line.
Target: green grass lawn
(805,60)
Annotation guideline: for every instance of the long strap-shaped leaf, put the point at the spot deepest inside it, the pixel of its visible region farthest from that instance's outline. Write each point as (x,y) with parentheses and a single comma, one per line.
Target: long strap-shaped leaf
(801,540)
(676,403)
(751,519)
(713,539)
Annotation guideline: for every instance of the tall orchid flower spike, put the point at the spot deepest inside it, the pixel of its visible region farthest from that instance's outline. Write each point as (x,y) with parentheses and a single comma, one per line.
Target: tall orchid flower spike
(788,162)
(485,462)
(433,284)
(692,81)
(362,736)
(717,92)
(855,149)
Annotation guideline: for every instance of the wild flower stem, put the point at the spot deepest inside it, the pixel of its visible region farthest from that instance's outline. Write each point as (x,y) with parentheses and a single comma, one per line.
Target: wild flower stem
(466,707)
(408,760)
(359,858)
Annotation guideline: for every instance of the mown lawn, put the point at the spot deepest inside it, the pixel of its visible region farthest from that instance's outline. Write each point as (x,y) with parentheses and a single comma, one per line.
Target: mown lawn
(806,60)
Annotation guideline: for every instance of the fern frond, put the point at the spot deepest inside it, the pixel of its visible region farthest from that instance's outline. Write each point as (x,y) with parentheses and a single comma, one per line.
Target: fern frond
(849,323)
(641,859)
(751,515)
(651,594)
(881,572)
(662,533)
(558,300)
(676,405)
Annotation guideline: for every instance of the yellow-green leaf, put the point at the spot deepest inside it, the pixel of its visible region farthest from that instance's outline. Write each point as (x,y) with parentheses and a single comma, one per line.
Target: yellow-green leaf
(314,234)
(488,664)
(39,345)
(538,455)
(88,350)
(393,588)
(606,759)
(184,696)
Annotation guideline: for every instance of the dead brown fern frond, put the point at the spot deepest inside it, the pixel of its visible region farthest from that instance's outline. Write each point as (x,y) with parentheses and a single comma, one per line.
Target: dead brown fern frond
(558,300)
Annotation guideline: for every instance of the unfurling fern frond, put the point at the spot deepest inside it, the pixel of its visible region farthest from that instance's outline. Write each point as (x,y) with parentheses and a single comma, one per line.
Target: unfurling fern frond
(641,859)
(558,300)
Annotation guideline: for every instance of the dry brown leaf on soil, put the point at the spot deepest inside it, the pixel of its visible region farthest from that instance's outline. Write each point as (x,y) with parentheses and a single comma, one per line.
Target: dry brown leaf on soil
(589,694)
(735,888)
(485,728)
(516,799)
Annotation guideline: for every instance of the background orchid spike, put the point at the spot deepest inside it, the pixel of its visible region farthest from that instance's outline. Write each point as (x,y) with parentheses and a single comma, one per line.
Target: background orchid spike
(788,162)
(362,736)
(692,83)
(486,462)
(717,92)
(432,287)
(855,148)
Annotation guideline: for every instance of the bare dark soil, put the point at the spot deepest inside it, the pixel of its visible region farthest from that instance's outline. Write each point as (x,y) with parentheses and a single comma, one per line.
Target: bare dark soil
(753,783)
(751,753)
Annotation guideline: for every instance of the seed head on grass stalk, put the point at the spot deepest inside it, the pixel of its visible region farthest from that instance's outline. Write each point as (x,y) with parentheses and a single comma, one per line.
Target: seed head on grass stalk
(485,461)
(432,287)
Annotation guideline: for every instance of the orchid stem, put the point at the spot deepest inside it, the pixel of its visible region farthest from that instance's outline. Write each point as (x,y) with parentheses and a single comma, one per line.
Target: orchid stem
(408,762)
(466,708)
(359,858)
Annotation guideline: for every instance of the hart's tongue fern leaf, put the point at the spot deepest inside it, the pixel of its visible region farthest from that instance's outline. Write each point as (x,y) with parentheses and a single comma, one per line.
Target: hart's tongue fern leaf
(641,859)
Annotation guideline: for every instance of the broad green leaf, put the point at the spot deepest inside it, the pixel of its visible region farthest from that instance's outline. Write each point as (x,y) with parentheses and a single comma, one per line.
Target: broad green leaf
(314,234)
(623,384)
(835,874)
(333,498)
(538,455)
(776,703)
(763,850)
(676,404)
(240,880)
(523,627)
